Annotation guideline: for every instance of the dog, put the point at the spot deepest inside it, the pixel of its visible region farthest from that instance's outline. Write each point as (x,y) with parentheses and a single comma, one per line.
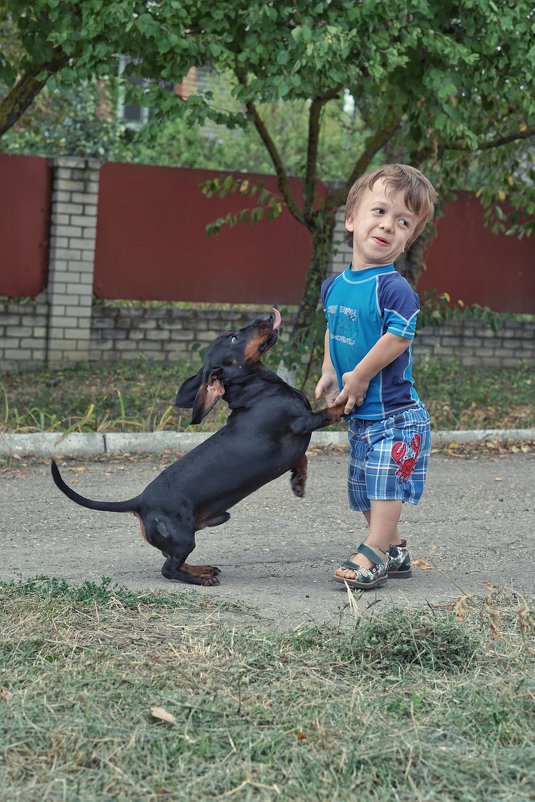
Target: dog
(266,434)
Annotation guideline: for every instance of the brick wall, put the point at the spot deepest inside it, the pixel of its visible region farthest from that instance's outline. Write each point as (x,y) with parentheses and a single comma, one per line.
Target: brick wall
(61,325)
(23,333)
(169,334)
(161,334)
(474,344)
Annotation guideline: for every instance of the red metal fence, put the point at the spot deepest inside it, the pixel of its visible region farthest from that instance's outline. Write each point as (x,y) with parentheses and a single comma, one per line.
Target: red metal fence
(25,192)
(476,266)
(151,243)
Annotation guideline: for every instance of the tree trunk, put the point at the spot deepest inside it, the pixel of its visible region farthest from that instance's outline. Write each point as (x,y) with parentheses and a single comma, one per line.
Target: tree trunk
(322,235)
(412,264)
(26,90)
(309,326)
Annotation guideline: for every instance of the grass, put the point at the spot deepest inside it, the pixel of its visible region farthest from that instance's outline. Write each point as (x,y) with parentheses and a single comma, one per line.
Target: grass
(91,398)
(137,397)
(108,694)
(458,398)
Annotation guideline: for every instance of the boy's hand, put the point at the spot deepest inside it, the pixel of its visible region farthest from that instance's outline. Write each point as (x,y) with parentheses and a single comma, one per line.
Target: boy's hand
(353,392)
(328,387)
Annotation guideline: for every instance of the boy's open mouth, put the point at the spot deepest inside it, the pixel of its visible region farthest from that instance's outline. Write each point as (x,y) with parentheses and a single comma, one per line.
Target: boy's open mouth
(380,240)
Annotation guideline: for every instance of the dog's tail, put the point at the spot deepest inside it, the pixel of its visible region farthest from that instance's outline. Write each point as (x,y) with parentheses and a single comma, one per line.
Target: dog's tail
(130,505)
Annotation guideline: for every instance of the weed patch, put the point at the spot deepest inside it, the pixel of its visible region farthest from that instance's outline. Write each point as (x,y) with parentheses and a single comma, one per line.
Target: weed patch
(401,638)
(458,398)
(138,397)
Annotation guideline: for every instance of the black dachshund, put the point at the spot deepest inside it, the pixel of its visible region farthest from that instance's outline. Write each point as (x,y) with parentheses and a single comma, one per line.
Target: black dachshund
(266,434)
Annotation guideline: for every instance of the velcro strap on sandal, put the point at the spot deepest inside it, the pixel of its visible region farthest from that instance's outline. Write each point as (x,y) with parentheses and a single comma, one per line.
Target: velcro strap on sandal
(352,566)
(372,554)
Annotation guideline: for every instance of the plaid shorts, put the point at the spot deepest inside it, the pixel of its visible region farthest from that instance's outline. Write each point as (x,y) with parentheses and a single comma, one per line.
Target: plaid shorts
(388,458)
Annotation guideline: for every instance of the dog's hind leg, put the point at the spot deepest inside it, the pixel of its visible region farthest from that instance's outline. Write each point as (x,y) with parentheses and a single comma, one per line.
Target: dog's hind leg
(181,571)
(298,477)
(176,540)
(177,569)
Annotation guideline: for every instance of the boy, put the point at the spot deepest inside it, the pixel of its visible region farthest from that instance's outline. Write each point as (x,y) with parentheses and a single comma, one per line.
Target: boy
(371,318)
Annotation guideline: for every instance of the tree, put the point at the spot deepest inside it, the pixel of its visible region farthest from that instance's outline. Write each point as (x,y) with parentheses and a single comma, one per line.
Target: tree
(71,121)
(443,85)
(50,41)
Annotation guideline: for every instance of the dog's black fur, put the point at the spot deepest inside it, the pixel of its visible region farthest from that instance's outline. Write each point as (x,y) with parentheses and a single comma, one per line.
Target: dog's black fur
(266,434)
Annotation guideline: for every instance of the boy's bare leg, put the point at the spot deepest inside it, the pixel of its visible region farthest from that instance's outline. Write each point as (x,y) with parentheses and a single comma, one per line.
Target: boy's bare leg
(397,539)
(383,519)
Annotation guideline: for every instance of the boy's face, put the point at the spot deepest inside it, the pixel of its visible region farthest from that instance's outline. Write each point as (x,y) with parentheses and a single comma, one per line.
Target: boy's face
(381,226)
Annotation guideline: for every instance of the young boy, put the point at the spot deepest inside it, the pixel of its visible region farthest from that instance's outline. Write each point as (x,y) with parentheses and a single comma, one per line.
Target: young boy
(371,317)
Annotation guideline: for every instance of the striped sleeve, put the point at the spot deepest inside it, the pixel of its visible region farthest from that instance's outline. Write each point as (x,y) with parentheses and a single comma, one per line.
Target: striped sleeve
(399,306)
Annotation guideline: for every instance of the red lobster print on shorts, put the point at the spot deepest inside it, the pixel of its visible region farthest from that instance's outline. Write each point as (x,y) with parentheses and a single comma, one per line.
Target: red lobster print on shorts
(406,464)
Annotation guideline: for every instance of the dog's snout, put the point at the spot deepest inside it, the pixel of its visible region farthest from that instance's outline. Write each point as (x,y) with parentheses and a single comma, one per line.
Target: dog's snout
(272,318)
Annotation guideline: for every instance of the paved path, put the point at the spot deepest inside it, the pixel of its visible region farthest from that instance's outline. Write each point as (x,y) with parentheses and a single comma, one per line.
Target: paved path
(278,553)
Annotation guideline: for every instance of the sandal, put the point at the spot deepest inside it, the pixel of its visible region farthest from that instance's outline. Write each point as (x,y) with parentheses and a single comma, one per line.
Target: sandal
(399,561)
(367,578)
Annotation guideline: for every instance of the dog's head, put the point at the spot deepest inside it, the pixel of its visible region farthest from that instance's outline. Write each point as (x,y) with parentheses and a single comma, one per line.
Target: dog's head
(230,356)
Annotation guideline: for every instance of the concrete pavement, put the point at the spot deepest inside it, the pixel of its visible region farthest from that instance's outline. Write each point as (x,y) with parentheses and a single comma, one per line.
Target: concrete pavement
(475,524)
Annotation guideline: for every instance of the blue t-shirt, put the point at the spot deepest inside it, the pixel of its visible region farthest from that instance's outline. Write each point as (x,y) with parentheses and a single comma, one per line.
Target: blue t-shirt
(361,306)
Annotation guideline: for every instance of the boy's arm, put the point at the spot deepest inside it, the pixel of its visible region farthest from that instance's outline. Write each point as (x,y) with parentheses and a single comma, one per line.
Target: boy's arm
(356,381)
(328,384)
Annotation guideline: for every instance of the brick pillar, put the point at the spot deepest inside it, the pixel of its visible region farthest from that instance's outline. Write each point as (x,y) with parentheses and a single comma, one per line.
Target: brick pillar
(341,253)
(71,259)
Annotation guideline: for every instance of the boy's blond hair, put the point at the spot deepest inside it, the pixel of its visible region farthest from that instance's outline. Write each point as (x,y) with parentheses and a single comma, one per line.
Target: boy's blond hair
(419,194)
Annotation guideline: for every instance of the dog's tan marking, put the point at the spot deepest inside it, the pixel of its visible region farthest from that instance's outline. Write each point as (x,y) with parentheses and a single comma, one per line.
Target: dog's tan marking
(144,534)
(252,350)
(197,570)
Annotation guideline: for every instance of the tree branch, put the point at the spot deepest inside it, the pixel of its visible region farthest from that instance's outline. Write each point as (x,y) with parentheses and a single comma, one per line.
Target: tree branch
(314,119)
(428,151)
(312,154)
(282,176)
(26,90)
(373,146)
(493,143)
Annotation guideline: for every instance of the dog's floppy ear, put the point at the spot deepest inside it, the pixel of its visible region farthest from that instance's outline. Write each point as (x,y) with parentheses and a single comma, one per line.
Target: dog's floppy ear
(188,390)
(208,394)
